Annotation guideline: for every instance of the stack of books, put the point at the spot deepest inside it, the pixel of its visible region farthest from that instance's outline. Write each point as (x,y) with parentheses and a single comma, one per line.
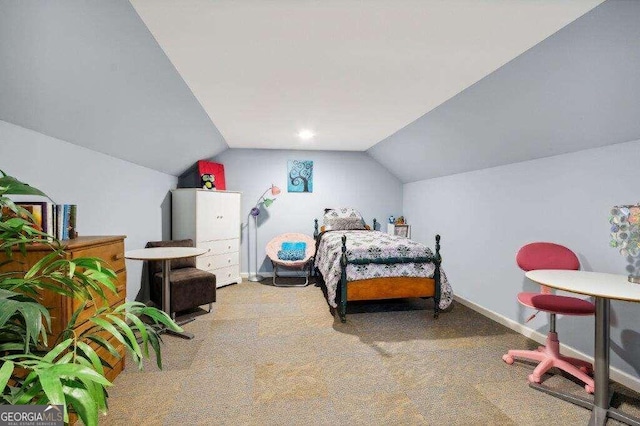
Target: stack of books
(57,220)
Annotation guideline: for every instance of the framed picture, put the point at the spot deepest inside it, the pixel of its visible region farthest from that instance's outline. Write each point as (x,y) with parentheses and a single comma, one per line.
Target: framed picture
(401,230)
(38,211)
(300,176)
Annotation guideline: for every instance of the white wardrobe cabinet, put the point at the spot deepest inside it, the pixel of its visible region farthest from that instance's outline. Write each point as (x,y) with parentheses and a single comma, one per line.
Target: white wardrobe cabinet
(212,220)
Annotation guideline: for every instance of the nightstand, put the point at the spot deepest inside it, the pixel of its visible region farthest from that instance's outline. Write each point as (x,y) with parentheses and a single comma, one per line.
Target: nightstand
(401,230)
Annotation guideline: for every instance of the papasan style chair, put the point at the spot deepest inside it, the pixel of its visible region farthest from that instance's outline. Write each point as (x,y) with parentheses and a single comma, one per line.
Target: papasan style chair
(275,245)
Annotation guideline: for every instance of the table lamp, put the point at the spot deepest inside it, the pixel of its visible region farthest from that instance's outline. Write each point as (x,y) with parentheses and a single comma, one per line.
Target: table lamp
(625,235)
(255,212)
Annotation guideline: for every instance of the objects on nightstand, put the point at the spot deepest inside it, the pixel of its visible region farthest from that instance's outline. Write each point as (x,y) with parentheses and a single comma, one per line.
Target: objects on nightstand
(294,251)
(255,212)
(625,235)
(392,219)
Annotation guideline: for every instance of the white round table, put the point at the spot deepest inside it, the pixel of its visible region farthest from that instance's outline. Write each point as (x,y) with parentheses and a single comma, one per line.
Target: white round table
(166,255)
(604,287)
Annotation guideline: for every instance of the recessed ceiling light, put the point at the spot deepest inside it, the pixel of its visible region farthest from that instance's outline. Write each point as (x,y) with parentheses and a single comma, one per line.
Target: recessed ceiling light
(305,135)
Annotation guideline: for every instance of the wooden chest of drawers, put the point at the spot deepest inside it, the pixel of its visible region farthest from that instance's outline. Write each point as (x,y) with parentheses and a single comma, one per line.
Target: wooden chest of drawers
(111,250)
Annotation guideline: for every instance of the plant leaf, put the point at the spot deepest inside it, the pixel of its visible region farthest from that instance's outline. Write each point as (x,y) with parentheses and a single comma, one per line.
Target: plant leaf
(52,386)
(57,350)
(93,357)
(5,374)
(132,343)
(83,404)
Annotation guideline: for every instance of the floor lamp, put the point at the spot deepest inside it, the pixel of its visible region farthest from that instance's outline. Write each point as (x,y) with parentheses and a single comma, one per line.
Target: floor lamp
(255,212)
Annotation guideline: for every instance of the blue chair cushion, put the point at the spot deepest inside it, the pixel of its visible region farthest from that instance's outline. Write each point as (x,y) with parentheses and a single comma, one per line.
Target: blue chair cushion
(291,254)
(292,250)
(294,245)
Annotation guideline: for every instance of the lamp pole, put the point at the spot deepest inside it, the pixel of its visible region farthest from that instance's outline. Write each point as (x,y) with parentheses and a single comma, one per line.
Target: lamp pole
(255,212)
(255,277)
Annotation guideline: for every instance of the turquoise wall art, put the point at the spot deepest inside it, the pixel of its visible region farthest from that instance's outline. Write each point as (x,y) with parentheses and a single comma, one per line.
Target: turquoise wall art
(300,176)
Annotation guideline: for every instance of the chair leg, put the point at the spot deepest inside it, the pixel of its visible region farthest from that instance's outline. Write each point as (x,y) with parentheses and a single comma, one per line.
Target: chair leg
(549,356)
(275,278)
(210,306)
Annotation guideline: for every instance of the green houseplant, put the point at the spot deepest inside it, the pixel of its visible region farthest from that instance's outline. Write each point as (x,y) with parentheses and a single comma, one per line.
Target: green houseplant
(68,371)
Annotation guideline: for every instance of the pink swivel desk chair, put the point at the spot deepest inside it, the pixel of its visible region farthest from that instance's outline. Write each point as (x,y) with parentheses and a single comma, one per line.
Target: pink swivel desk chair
(552,256)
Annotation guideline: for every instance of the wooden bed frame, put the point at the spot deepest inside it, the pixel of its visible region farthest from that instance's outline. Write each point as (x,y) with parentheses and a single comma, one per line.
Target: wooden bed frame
(390,287)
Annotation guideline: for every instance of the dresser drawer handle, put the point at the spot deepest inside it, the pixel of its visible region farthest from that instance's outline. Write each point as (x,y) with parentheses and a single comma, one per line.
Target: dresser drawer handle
(118,256)
(208,265)
(228,260)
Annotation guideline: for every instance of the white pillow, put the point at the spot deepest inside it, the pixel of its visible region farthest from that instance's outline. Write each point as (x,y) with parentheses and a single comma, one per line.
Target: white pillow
(343,219)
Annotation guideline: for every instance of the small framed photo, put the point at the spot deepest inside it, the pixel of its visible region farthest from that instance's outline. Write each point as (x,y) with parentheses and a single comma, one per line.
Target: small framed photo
(401,230)
(37,210)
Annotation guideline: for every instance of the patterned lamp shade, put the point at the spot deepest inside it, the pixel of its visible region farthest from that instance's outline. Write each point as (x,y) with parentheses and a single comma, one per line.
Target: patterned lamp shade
(625,236)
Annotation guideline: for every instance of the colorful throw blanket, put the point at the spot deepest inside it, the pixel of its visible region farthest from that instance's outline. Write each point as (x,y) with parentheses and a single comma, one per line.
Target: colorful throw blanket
(374,245)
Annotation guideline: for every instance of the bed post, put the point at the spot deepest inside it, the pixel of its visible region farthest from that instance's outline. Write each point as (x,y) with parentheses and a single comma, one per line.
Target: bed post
(315,229)
(437,279)
(342,309)
(375,224)
(314,272)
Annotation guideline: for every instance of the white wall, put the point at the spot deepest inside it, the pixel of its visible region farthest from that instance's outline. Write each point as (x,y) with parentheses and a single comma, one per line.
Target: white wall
(485,216)
(341,179)
(114,197)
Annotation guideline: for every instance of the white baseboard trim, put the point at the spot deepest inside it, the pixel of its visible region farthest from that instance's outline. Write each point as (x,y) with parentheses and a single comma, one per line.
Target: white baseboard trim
(619,376)
(245,275)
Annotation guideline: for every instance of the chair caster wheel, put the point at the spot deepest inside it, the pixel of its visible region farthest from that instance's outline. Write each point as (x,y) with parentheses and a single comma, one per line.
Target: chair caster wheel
(533,379)
(508,359)
(589,388)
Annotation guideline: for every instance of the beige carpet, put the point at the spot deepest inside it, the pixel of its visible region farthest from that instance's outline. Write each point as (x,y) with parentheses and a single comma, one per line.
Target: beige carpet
(276,356)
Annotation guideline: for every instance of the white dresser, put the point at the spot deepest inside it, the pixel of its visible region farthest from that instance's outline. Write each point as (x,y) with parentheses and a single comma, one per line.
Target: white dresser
(212,220)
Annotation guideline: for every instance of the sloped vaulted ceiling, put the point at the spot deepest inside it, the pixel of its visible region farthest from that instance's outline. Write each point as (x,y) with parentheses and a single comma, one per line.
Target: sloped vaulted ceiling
(577,89)
(90,73)
(352,71)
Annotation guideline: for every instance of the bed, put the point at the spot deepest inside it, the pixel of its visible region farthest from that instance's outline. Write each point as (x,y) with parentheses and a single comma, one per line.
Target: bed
(364,264)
